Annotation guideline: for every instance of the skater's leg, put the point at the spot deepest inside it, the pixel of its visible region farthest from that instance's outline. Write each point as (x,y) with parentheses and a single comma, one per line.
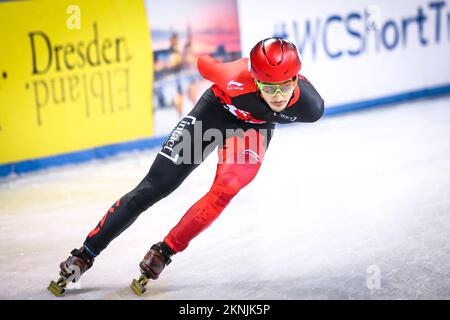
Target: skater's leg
(127,209)
(239,162)
(168,171)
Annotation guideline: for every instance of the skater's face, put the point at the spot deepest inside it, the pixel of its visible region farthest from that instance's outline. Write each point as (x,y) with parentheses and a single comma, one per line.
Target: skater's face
(277,94)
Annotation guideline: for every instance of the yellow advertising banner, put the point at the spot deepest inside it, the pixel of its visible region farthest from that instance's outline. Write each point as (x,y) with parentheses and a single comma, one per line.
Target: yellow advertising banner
(73,75)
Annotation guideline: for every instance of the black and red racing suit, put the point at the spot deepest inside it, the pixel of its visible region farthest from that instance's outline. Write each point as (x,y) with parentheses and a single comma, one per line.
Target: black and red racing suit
(233,107)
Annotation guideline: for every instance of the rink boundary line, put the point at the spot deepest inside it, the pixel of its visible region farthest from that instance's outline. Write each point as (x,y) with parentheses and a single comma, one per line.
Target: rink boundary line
(147,143)
(79,156)
(388,100)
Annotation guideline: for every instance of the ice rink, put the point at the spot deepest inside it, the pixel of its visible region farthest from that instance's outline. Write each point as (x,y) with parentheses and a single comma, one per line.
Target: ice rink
(351,207)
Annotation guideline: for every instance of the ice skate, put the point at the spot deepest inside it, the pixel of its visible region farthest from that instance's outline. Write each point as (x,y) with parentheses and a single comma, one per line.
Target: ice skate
(151,266)
(71,270)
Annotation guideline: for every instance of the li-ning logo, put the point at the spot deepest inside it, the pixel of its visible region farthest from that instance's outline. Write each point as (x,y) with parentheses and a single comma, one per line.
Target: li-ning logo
(234,85)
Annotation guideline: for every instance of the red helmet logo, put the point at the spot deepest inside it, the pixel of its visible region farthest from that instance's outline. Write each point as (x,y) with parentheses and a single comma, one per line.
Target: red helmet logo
(274,60)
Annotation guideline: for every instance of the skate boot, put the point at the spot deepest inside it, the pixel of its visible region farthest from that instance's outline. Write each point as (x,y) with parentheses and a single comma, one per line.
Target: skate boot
(71,271)
(151,266)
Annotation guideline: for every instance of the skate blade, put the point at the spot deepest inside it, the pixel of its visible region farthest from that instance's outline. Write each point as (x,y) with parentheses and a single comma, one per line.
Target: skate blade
(138,286)
(56,288)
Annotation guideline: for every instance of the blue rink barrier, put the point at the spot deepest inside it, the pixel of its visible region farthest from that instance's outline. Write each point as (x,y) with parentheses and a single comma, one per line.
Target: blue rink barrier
(384,101)
(111,150)
(79,156)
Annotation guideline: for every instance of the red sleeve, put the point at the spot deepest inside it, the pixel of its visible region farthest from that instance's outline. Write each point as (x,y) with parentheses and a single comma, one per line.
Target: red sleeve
(208,67)
(232,77)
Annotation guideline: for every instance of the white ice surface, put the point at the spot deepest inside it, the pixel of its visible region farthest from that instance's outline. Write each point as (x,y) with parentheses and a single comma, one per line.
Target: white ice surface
(331,200)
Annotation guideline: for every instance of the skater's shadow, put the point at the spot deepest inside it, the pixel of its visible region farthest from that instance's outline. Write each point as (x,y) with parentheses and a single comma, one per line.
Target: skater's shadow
(289,288)
(77,292)
(206,290)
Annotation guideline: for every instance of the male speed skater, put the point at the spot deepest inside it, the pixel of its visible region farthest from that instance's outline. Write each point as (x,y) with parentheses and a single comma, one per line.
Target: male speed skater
(238,113)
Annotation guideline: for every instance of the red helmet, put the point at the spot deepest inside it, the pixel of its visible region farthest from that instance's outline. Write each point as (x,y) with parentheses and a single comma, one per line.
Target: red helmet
(274,60)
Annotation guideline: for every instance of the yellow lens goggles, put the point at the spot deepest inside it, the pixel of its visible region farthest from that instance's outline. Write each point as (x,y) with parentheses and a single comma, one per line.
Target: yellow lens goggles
(272,89)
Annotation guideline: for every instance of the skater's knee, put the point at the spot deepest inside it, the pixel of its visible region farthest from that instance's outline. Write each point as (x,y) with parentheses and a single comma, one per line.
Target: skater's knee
(237,176)
(247,173)
(162,188)
(145,195)
(225,187)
